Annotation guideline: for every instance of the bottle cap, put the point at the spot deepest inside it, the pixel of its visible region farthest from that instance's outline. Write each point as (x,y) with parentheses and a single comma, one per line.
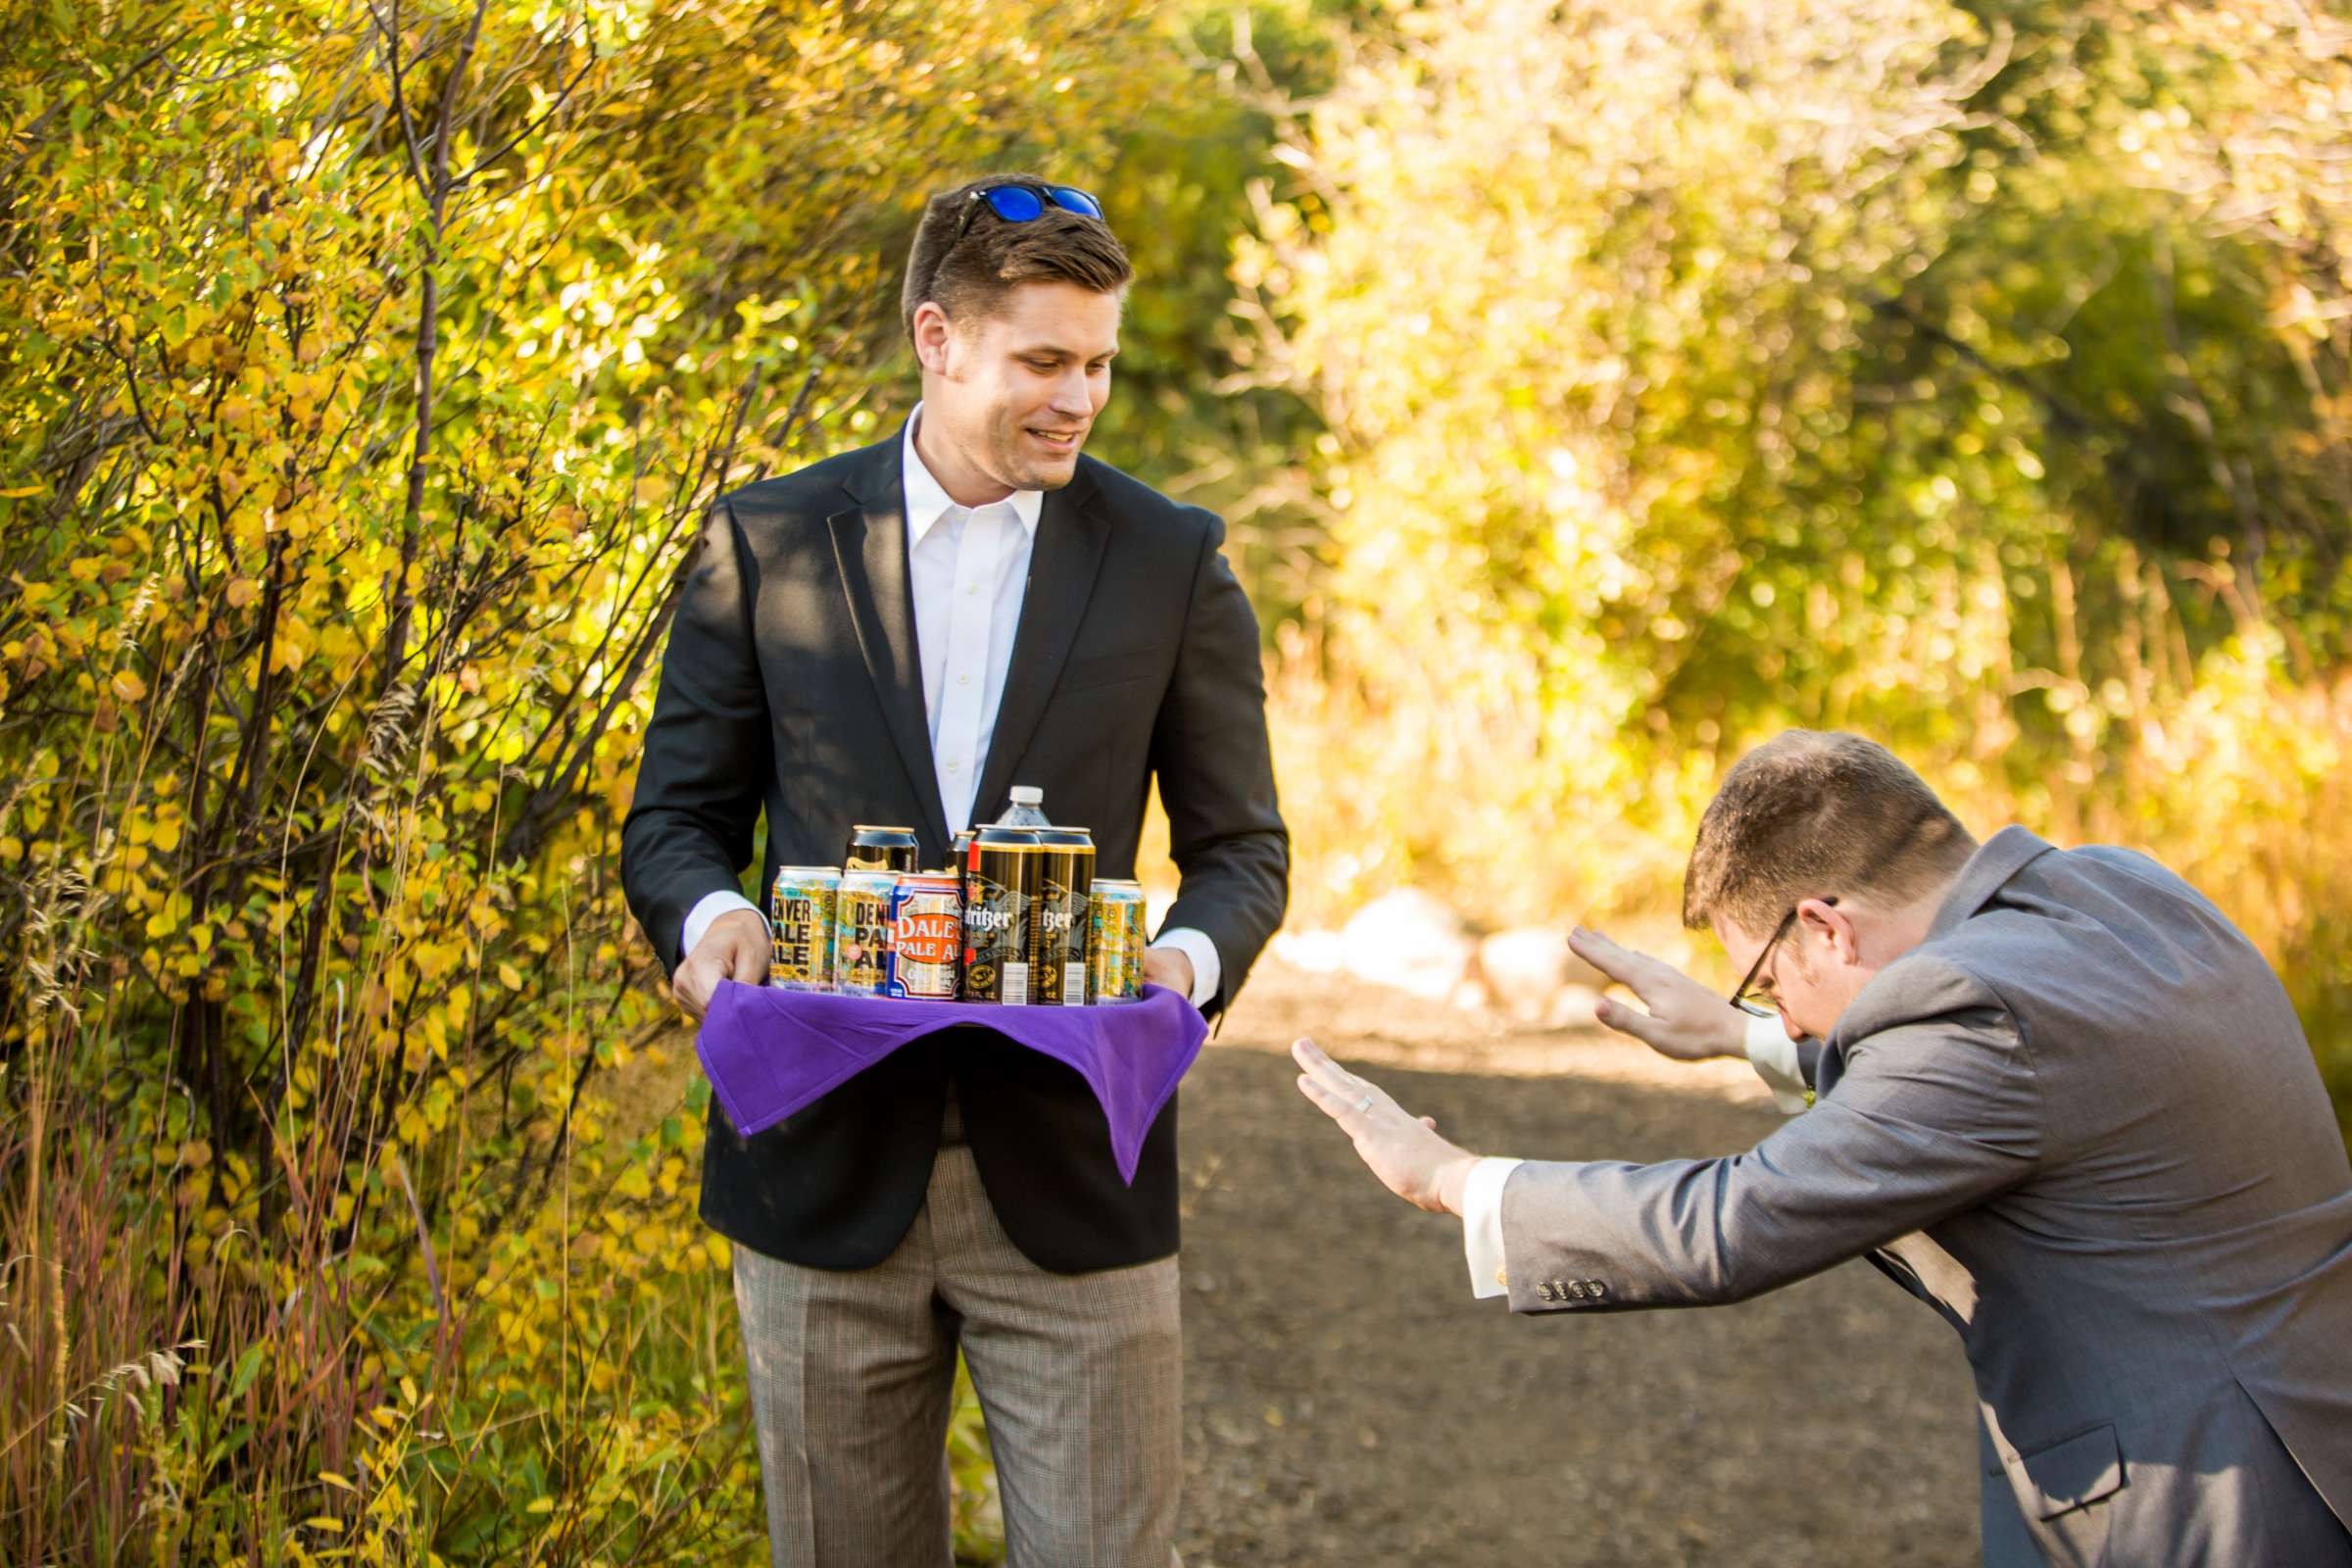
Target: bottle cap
(1027,795)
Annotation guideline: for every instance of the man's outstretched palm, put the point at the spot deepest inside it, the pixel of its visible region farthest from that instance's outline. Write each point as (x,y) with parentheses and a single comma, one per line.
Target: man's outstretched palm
(1686,1020)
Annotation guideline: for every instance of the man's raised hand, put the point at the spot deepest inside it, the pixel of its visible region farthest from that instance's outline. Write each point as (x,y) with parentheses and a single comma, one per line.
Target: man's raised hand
(1686,1020)
(1403,1150)
(734,948)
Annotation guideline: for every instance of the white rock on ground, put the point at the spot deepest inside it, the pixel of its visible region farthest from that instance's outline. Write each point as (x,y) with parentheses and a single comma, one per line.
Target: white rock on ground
(1412,940)
(1316,952)
(1526,967)
(1571,1007)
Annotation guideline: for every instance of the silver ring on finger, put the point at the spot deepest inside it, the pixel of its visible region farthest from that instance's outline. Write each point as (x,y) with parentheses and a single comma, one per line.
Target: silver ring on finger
(1363,1106)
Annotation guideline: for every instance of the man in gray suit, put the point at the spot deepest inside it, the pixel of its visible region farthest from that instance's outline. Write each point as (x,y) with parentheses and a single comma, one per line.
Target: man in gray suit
(2059,1099)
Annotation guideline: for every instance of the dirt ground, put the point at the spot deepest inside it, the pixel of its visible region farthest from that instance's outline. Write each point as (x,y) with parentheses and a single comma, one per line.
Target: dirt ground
(1348,1402)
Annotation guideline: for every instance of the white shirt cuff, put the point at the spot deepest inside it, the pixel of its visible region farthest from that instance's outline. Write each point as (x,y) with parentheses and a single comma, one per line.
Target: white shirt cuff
(1195,946)
(1773,1055)
(1482,1226)
(699,918)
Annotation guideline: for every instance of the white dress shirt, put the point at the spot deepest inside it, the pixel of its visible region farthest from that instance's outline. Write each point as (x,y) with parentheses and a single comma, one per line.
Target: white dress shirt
(969,569)
(1770,1051)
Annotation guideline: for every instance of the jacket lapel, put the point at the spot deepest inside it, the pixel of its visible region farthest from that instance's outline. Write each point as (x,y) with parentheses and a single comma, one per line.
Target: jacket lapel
(869,546)
(1070,539)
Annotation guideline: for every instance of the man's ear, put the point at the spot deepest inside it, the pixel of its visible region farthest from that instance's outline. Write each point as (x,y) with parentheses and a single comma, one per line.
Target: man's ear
(1835,926)
(932,329)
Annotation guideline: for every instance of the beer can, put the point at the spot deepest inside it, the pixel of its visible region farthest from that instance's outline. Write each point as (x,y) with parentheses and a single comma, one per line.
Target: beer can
(1058,916)
(1115,948)
(926,933)
(862,932)
(801,919)
(882,849)
(1000,878)
(959,854)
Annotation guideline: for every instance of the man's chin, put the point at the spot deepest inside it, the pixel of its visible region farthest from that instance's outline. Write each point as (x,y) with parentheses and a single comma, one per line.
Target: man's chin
(1045,475)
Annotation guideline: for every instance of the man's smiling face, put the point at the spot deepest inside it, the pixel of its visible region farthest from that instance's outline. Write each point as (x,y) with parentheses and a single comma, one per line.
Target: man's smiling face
(1015,392)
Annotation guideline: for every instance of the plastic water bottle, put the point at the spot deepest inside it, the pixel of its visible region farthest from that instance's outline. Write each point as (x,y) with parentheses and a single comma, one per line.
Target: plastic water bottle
(1027,809)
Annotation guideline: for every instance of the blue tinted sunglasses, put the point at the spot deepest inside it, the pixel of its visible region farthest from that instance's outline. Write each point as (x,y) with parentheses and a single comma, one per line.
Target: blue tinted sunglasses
(1023,204)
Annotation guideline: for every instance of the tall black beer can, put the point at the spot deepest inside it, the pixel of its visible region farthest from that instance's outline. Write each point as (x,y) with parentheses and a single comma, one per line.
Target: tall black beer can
(882,849)
(1000,881)
(1058,922)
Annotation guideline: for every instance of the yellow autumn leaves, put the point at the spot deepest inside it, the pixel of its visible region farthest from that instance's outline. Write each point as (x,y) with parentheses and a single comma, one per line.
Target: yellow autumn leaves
(322,675)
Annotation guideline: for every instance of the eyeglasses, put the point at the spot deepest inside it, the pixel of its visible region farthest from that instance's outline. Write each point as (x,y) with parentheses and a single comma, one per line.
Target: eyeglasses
(1019,201)
(1748,982)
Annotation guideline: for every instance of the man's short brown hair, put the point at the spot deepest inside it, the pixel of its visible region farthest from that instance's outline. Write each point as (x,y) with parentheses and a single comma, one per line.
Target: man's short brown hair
(995,257)
(1813,813)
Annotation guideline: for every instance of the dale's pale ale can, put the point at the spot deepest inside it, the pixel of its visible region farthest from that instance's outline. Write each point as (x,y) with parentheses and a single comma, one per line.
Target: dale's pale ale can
(926,934)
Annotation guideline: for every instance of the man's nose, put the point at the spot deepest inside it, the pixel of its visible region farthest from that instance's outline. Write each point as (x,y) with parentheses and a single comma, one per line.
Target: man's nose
(1071,398)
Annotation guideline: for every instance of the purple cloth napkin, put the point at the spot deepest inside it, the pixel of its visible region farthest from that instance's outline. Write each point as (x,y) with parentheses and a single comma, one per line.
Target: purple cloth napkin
(769,1053)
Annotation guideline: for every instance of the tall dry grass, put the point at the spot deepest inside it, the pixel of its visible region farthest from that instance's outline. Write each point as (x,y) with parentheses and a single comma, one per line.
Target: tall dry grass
(175,1390)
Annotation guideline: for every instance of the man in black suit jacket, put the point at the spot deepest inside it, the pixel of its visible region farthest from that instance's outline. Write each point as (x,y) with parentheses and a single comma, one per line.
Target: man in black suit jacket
(900,634)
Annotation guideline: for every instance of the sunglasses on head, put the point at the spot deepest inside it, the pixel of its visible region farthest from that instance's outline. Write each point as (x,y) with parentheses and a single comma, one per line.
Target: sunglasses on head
(1021,202)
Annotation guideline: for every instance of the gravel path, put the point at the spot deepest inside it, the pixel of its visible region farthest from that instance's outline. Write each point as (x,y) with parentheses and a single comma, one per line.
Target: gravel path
(1348,1402)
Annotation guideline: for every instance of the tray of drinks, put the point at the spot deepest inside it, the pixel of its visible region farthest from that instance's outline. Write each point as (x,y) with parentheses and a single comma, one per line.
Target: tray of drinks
(1018,918)
(771,1053)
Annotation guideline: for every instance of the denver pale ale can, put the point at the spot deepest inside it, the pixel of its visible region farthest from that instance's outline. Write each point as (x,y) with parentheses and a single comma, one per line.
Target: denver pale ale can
(801,914)
(1115,949)
(862,932)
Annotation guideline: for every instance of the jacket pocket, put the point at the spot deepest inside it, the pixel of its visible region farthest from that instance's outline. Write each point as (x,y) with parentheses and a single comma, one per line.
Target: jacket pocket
(1111,669)
(2069,1473)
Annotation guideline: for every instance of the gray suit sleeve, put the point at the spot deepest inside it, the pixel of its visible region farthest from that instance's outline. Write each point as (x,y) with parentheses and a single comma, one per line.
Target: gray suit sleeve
(1933,1113)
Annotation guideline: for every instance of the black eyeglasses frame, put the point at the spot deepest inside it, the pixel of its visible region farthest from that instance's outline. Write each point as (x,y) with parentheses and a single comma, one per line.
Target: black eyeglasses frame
(1747,981)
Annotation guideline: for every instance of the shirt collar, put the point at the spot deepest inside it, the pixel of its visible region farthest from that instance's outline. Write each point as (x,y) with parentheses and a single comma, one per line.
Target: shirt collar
(927,500)
(1987,871)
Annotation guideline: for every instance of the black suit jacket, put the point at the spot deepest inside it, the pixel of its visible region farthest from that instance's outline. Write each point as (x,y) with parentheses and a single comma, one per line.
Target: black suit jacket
(791,684)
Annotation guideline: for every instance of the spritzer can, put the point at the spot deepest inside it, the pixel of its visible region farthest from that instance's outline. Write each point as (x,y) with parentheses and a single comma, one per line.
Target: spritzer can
(1000,878)
(1115,948)
(1057,923)
(862,932)
(800,915)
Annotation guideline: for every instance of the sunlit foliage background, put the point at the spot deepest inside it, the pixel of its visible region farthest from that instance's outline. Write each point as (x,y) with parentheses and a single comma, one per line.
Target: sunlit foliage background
(1592,390)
